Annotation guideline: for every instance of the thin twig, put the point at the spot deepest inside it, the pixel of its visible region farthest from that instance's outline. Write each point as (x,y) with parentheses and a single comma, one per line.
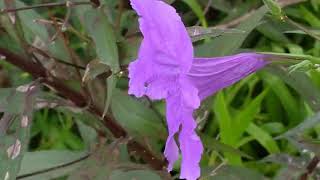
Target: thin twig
(46,5)
(310,168)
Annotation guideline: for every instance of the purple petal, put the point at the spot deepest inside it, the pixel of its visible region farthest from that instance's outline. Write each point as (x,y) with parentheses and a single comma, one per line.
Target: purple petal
(166,51)
(173,113)
(140,70)
(189,93)
(168,37)
(212,74)
(179,113)
(191,147)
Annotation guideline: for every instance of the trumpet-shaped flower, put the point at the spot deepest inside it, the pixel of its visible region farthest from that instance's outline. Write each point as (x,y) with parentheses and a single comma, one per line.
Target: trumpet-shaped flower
(166,69)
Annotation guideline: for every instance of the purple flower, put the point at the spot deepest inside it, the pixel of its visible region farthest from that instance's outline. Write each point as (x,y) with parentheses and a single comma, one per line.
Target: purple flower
(166,69)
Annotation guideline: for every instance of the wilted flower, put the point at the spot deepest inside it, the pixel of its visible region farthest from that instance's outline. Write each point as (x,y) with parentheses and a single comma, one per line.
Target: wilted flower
(166,69)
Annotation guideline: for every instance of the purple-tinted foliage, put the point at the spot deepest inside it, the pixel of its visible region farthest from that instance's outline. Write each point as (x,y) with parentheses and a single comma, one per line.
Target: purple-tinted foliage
(166,69)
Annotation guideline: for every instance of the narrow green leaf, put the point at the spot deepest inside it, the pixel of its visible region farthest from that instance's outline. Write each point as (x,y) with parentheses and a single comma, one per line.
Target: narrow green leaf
(273,31)
(225,124)
(288,101)
(101,31)
(263,138)
(247,115)
(223,116)
(302,84)
(312,19)
(196,8)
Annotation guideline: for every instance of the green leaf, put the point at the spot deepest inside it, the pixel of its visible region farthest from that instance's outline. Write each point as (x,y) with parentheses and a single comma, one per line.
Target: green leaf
(263,138)
(285,159)
(274,128)
(229,43)
(273,31)
(136,174)
(88,134)
(212,143)
(315,4)
(135,116)
(94,69)
(288,101)
(274,8)
(223,116)
(306,144)
(198,33)
(293,166)
(55,161)
(36,32)
(101,31)
(302,84)
(111,84)
(196,8)
(234,173)
(225,124)
(306,124)
(17,122)
(311,18)
(247,115)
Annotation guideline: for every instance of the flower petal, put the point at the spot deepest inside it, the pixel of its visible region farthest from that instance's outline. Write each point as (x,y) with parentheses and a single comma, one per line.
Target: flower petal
(163,28)
(173,113)
(191,147)
(140,70)
(209,75)
(189,93)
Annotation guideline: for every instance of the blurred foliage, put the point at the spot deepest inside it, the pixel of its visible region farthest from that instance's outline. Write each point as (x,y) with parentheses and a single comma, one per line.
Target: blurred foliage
(267,126)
